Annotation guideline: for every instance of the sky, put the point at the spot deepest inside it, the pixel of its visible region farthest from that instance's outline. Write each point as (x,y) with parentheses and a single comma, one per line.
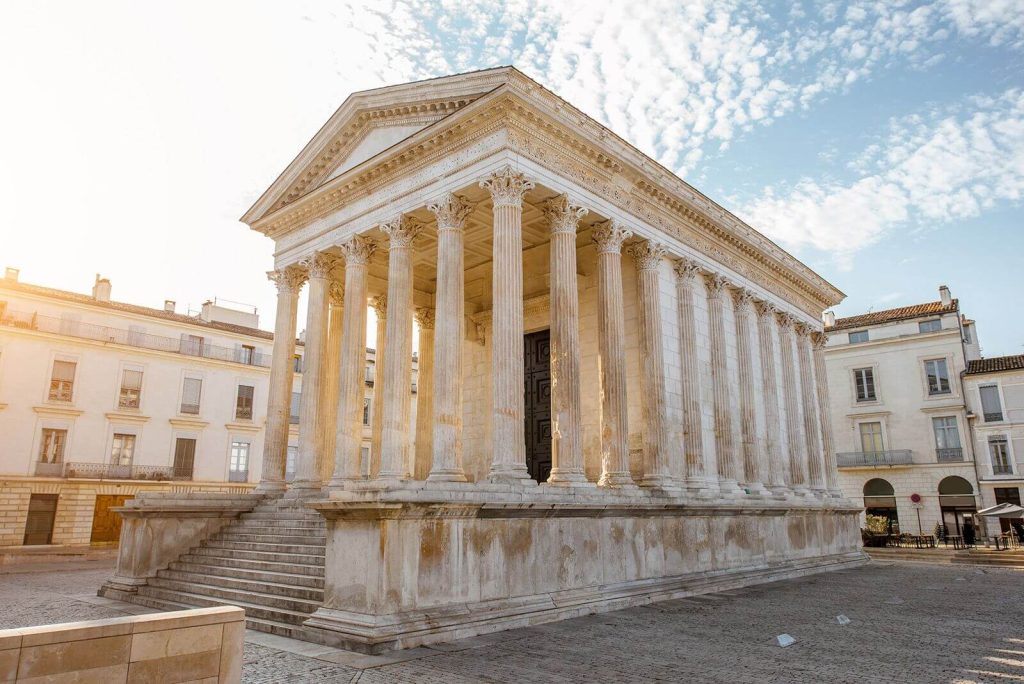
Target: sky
(880,142)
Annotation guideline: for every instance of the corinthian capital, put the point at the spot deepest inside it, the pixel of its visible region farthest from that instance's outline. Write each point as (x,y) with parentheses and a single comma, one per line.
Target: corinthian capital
(507,187)
(358,250)
(716,284)
(288,279)
(380,305)
(742,298)
(765,309)
(336,293)
(451,211)
(401,232)
(819,340)
(647,254)
(563,216)
(319,264)
(686,269)
(786,322)
(609,236)
(802,329)
(425,317)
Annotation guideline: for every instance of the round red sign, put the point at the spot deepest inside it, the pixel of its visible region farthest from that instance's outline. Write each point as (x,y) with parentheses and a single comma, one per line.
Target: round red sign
(916,498)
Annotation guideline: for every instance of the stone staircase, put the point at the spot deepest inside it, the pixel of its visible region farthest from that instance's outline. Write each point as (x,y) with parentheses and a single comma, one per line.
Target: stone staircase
(270,563)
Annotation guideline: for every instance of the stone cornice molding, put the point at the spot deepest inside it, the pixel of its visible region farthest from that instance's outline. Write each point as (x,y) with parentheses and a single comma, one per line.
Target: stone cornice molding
(686,269)
(319,265)
(563,216)
(451,211)
(647,254)
(609,236)
(425,317)
(401,231)
(357,250)
(507,187)
(380,305)
(288,279)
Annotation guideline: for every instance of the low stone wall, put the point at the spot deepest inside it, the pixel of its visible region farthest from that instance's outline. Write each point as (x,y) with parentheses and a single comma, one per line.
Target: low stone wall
(203,645)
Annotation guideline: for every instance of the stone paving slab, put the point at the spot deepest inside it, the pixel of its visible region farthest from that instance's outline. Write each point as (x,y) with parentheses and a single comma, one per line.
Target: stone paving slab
(909,622)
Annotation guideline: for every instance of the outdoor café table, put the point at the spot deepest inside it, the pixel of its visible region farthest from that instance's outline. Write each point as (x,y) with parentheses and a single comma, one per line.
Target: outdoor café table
(924,541)
(958,541)
(1002,542)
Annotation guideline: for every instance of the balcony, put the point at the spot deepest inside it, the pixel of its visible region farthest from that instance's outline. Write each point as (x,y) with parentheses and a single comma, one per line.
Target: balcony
(131,338)
(949,455)
(110,471)
(238,476)
(993,417)
(875,459)
(49,469)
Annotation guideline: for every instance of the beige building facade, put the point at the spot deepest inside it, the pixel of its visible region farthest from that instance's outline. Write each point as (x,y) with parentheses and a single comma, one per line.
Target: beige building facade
(627,388)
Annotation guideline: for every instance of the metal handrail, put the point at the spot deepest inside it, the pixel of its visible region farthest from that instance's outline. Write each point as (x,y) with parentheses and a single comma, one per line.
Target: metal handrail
(856,459)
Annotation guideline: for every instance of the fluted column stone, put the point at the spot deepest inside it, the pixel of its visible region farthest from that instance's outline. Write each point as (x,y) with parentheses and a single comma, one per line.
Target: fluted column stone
(566,429)
(693,430)
(394,442)
(794,418)
(809,400)
(824,409)
(508,462)
(449,299)
(422,447)
(778,466)
(282,373)
(608,237)
(380,308)
(352,363)
(753,456)
(329,394)
(727,458)
(657,457)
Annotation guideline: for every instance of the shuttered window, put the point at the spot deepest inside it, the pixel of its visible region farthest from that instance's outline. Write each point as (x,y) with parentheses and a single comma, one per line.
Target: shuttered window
(131,389)
(991,407)
(243,402)
(62,380)
(190,393)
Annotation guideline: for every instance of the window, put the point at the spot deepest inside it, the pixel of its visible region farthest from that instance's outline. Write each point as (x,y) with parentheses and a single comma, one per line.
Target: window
(247,354)
(929,326)
(51,447)
(243,402)
(864,378)
(191,390)
(366,411)
(293,416)
(184,458)
(192,344)
(131,389)
(999,450)
(938,376)
(62,380)
(239,463)
(947,439)
(991,407)
(858,336)
(871,438)
(122,450)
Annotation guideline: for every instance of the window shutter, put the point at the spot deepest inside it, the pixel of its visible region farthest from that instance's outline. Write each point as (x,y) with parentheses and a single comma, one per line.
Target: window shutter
(64,371)
(990,400)
(190,392)
(132,380)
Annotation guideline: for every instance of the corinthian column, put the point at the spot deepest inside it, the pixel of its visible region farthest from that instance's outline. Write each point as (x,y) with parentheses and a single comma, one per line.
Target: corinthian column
(352,363)
(611,349)
(329,395)
(282,372)
(657,469)
(424,395)
(311,428)
(824,409)
(753,459)
(394,441)
(727,460)
(693,431)
(446,420)
(566,446)
(777,465)
(812,428)
(508,461)
(794,427)
(380,307)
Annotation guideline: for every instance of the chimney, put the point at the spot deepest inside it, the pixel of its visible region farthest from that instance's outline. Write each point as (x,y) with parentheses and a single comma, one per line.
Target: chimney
(169,305)
(101,289)
(11,274)
(945,295)
(828,318)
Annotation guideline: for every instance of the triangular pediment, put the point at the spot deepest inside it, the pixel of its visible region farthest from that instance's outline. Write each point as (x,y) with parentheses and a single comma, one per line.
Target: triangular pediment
(368,123)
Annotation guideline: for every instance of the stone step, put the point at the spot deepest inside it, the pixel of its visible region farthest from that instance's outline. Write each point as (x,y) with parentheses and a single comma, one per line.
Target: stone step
(237,536)
(313,517)
(236,596)
(262,556)
(259,624)
(279,586)
(267,547)
(285,573)
(191,600)
(263,527)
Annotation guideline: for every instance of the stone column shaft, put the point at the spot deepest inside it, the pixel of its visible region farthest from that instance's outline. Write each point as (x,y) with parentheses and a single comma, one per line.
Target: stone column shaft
(611,338)
(824,410)
(352,364)
(727,459)
(777,465)
(329,395)
(566,439)
(508,462)
(794,419)
(424,396)
(312,432)
(449,325)
(753,470)
(394,443)
(693,430)
(657,469)
(380,307)
(282,373)
(812,427)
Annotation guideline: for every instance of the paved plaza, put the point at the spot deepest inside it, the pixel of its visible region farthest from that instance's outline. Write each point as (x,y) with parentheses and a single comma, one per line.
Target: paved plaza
(909,622)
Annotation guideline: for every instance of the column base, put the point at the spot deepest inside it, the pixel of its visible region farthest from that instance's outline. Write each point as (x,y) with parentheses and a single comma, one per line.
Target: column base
(780,492)
(664,482)
(568,478)
(756,489)
(699,488)
(447,475)
(800,491)
(836,494)
(729,489)
(270,487)
(514,475)
(617,480)
(304,489)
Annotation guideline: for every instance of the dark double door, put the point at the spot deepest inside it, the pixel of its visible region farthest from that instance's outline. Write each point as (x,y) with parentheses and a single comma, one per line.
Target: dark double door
(537,395)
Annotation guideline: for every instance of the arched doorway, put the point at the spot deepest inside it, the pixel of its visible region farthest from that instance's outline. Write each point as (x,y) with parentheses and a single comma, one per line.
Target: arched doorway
(880,501)
(957,503)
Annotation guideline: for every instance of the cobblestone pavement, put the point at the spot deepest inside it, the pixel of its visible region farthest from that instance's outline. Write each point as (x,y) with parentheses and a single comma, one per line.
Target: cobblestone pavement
(910,622)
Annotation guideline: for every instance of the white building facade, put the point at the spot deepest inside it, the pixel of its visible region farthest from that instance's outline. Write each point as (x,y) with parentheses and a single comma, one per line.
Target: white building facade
(899,415)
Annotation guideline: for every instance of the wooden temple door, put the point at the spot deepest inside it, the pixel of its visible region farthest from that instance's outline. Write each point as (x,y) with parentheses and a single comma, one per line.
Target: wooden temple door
(537,394)
(106,524)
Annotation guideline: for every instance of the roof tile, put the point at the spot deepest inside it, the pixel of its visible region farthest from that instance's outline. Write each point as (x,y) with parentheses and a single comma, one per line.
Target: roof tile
(891,315)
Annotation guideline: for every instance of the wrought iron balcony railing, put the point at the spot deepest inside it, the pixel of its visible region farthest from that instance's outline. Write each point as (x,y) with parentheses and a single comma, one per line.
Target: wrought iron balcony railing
(874,459)
(1002,469)
(949,454)
(112,471)
(994,417)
